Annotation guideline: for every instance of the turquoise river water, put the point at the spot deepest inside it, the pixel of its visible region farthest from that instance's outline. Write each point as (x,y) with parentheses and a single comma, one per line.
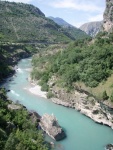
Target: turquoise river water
(82,132)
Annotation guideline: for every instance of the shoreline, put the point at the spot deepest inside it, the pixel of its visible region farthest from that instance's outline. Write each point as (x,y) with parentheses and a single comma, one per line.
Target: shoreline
(78,101)
(36,90)
(94,112)
(97,118)
(102,117)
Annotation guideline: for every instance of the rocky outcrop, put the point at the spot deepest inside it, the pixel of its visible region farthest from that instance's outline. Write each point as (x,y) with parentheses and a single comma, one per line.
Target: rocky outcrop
(84,103)
(14,107)
(109,147)
(50,125)
(92,28)
(108,16)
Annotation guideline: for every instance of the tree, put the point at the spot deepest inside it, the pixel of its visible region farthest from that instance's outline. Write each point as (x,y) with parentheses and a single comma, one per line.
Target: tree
(105,96)
(111,97)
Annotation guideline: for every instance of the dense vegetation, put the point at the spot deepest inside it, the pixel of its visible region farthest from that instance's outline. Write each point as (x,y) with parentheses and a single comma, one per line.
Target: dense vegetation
(26,23)
(17,130)
(88,61)
(10,54)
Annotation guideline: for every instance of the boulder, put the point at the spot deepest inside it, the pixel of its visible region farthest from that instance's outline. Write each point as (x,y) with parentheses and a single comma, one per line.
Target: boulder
(109,147)
(50,125)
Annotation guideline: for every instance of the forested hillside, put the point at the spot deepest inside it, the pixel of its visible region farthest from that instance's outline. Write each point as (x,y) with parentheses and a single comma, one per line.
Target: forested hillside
(25,23)
(84,61)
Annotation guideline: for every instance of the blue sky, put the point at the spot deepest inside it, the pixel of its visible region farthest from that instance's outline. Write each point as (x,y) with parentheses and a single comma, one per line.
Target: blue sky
(75,12)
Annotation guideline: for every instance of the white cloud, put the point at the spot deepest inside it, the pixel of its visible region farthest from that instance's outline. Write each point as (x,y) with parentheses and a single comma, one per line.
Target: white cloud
(98,17)
(77,5)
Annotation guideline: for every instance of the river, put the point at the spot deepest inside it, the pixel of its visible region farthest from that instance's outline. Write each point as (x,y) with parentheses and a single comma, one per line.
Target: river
(82,132)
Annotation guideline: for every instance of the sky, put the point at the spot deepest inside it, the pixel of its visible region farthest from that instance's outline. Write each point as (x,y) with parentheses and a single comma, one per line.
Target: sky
(75,12)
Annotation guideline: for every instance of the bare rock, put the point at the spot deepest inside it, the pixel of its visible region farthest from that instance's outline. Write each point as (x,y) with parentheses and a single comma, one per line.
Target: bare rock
(14,107)
(108,16)
(50,125)
(59,102)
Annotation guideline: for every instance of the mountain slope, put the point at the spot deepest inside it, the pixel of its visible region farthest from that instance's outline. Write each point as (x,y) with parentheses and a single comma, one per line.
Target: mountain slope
(92,28)
(23,22)
(86,65)
(60,21)
(73,31)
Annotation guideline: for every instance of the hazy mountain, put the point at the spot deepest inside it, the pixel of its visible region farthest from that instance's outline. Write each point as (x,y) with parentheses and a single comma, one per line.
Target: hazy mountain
(75,32)
(92,28)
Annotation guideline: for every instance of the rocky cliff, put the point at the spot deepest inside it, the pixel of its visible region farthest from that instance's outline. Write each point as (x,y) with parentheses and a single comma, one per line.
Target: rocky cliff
(92,28)
(108,16)
(85,104)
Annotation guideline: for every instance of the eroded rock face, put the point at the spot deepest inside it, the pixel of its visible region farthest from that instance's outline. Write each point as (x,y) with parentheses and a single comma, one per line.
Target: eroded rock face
(92,28)
(87,105)
(14,107)
(50,125)
(108,16)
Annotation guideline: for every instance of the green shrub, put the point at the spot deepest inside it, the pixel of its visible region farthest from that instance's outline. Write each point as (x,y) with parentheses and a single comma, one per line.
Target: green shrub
(50,95)
(45,87)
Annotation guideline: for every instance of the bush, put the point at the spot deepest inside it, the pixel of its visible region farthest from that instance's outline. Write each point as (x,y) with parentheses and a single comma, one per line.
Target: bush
(50,95)
(45,87)
(105,96)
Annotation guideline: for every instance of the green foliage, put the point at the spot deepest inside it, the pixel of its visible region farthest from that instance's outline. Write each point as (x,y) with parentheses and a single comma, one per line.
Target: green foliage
(17,131)
(26,23)
(81,61)
(111,97)
(50,95)
(9,55)
(44,87)
(105,96)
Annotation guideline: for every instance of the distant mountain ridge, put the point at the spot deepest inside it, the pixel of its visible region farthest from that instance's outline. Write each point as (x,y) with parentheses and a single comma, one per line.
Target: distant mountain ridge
(60,21)
(92,28)
(75,32)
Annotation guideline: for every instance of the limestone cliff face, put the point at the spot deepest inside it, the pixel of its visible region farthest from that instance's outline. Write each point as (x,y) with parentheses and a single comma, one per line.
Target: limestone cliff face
(108,16)
(92,28)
